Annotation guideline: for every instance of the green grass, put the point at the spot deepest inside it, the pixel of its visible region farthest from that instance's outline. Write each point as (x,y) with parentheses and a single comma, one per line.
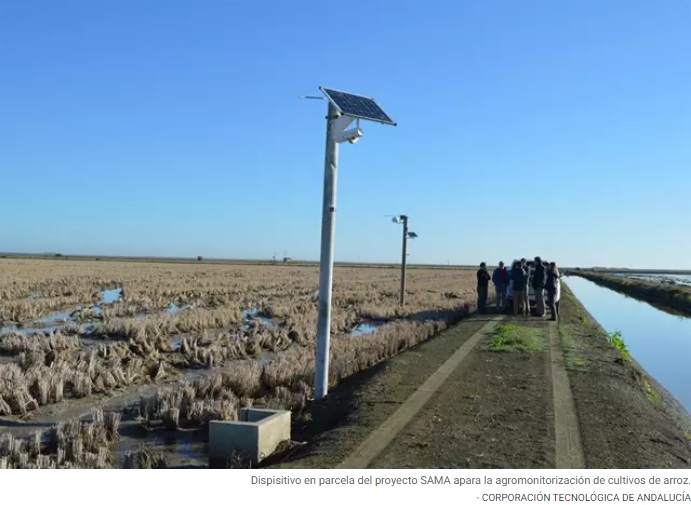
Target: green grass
(653,394)
(688,435)
(512,338)
(618,342)
(573,359)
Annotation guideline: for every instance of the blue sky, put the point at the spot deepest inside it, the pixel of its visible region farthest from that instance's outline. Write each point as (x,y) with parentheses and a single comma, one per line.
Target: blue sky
(173,128)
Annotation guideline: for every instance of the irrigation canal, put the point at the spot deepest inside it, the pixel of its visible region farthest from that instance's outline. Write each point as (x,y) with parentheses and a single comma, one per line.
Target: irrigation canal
(659,341)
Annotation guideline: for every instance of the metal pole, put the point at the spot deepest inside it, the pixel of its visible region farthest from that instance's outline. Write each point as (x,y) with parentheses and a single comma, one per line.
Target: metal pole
(403,257)
(321,371)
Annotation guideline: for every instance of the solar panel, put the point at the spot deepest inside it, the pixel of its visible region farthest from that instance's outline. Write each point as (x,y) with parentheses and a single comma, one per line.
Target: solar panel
(357,106)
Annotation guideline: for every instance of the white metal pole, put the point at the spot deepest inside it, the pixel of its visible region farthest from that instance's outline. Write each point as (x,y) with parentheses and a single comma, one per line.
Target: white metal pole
(321,372)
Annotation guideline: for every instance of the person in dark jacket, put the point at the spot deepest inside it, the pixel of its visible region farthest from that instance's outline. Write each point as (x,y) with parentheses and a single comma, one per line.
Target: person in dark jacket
(538,281)
(500,278)
(483,279)
(552,286)
(519,276)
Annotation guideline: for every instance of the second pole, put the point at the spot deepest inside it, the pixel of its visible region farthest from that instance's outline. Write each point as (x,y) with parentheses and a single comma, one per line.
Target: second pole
(404,256)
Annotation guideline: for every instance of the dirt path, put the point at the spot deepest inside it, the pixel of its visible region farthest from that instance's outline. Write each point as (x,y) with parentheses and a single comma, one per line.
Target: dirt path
(387,432)
(568,446)
(494,412)
(518,384)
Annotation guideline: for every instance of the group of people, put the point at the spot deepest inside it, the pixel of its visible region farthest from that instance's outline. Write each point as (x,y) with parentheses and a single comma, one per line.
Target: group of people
(543,277)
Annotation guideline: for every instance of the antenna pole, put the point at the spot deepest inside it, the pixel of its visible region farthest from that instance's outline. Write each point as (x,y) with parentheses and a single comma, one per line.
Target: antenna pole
(404,257)
(321,376)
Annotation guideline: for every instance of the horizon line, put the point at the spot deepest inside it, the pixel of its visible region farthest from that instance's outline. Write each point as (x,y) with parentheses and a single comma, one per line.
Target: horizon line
(294,261)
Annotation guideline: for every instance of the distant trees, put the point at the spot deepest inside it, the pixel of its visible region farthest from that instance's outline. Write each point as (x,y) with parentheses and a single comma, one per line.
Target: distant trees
(199,258)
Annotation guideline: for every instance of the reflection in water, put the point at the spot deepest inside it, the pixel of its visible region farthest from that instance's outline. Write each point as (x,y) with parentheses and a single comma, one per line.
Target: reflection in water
(660,342)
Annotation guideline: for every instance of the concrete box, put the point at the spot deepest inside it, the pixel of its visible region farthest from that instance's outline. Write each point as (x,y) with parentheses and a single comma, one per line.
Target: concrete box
(255,436)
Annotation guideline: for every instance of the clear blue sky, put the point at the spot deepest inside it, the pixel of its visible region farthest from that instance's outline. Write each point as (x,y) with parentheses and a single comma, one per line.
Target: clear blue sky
(559,128)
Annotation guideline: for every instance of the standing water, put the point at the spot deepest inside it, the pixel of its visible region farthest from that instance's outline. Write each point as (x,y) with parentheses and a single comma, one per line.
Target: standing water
(660,342)
(111,295)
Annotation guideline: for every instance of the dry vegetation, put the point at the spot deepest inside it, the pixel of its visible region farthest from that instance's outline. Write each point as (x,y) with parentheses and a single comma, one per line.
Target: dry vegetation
(72,444)
(253,327)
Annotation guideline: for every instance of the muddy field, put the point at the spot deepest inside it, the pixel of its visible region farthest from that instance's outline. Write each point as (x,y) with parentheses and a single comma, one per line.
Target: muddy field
(98,358)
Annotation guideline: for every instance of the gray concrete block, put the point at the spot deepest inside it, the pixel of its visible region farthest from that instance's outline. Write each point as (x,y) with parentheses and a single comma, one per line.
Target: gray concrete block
(255,436)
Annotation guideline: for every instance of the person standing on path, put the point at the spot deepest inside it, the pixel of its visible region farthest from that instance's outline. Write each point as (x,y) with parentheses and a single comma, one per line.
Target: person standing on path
(500,278)
(526,301)
(483,279)
(538,281)
(519,276)
(552,285)
(557,296)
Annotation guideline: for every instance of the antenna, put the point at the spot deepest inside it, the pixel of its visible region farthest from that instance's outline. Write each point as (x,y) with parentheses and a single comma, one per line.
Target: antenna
(343,108)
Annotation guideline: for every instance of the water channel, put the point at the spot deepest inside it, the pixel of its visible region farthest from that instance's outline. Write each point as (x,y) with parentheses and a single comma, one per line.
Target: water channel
(659,341)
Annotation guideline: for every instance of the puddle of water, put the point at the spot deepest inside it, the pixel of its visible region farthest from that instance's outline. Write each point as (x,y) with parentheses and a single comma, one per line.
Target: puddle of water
(65,318)
(45,329)
(86,328)
(62,317)
(659,341)
(111,295)
(367,328)
(29,331)
(174,308)
(175,343)
(179,449)
(253,315)
(9,328)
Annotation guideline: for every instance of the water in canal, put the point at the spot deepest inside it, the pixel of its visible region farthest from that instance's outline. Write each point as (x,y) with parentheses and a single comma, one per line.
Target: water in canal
(660,342)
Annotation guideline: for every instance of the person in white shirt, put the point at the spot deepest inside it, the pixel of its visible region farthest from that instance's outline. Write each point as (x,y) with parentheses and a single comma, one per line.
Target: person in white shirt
(558,293)
(553,286)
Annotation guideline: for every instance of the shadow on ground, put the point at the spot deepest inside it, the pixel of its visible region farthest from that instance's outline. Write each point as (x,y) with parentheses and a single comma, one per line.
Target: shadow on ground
(319,417)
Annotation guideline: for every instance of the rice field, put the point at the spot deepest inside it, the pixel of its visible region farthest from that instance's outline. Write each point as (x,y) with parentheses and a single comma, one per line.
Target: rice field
(90,350)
